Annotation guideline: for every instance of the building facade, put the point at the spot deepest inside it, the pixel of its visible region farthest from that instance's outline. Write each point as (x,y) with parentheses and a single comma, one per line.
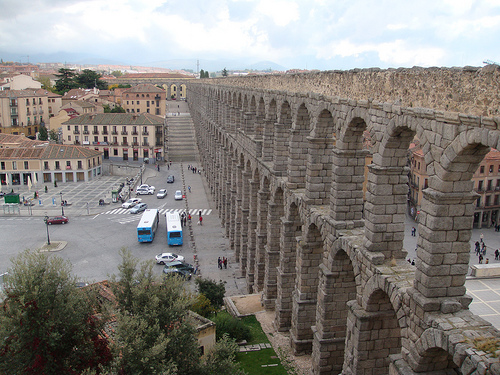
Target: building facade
(486,182)
(26,162)
(119,136)
(23,111)
(144,98)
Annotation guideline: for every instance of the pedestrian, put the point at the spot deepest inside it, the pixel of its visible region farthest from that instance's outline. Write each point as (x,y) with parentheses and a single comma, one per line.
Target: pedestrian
(46,188)
(55,183)
(497,254)
(219,263)
(189,188)
(199,213)
(189,218)
(480,259)
(168,166)
(200,221)
(487,261)
(481,237)
(158,167)
(225,263)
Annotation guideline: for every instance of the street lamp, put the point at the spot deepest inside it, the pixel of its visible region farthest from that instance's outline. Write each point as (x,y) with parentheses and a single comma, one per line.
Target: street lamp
(46,219)
(62,204)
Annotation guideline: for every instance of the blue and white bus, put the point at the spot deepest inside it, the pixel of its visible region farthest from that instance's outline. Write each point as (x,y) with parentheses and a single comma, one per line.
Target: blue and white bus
(174,228)
(148,225)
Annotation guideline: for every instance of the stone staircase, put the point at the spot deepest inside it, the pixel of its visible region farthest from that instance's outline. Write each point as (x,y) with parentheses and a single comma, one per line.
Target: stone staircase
(180,138)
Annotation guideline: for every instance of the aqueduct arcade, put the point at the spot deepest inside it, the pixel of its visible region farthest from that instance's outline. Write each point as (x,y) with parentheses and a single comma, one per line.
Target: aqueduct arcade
(320,235)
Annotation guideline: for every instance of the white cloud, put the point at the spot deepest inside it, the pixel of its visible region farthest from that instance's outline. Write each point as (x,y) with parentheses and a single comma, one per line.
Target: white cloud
(282,12)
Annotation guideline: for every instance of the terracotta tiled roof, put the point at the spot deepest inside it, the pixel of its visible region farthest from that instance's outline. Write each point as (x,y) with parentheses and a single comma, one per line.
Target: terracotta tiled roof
(116,119)
(24,93)
(11,140)
(144,87)
(21,153)
(55,151)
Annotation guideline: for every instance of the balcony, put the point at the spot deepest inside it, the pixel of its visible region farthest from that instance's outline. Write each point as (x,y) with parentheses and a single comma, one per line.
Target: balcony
(145,144)
(135,143)
(95,132)
(124,132)
(145,132)
(76,131)
(105,132)
(85,132)
(124,143)
(114,132)
(76,142)
(13,103)
(159,143)
(113,143)
(134,132)
(68,167)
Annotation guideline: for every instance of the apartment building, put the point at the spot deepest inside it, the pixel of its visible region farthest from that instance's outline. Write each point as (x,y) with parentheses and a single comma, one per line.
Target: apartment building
(486,182)
(27,162)
(144,98)
(23,111)
(119,136)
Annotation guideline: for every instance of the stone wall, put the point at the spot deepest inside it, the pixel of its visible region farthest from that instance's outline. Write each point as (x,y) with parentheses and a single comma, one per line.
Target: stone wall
(467,90)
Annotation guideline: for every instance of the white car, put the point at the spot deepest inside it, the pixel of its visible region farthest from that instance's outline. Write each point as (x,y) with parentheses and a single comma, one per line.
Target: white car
(178,195)
(168,257)
(150,190)
(131,202)
(162,193)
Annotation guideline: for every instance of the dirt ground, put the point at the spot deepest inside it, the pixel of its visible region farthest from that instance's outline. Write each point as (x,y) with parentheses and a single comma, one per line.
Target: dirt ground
(279,340)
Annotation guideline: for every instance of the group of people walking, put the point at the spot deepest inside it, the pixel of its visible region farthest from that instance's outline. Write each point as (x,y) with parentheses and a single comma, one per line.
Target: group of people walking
(222,262)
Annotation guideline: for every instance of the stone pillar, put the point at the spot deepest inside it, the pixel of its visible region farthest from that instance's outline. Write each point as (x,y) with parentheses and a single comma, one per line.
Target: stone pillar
(348,175)
(267,145)
(244,194)
(238,218)
(248,122)
(286,277)
(280,157)
(252,227)
(261,234)
(371,338)
(297,160)
(443,251)
(272,256)
(319,170)
(385,210)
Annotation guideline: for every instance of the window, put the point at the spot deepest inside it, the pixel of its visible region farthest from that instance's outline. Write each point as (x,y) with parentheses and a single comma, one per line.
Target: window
(478,202)
(495,202)
(2,165)
(80,164)
(115,152)
(480,185)
(26,165)
(69,127)
(137,102)
(127,101)
(481,169)
(46,165)
(491,169)
(68,164)
(147,103)
(147,110)
(138,110)
(487,200)
(490,183)
(106,139)
(143,95)
(34,101)
(27,102)
(86,138)
(57,165)
(96,139)
(14,165)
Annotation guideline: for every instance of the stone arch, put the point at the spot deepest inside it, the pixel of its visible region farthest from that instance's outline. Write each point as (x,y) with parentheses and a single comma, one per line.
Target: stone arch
(373,332)
(276,212)
(260,118)
(348,173)
(270,121)
(298,148)
(263,197)
(387,192)
(310,250)
(281,140)
(337,286)
(319,159)
(446,219)
(290,233)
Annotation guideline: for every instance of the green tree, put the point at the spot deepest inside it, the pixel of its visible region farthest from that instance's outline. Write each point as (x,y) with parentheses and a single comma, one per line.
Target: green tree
(153,335)
(53,135)
(118,109)
(221,360)
(65,81)
(202,73)
(43,134)
(117,73)
(224,72)
(48,325)
(212,290)
(88,79)
(46,85)
(106,108)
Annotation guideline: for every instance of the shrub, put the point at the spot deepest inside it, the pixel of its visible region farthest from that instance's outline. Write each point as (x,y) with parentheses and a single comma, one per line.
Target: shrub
(202,306)
(234,327)
(212,290)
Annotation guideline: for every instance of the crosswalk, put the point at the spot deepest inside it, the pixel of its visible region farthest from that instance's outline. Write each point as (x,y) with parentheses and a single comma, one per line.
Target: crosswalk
(163,211)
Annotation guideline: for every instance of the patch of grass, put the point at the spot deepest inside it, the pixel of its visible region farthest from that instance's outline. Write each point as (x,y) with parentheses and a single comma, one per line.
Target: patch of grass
(487,344)
(252,362)
(257,334)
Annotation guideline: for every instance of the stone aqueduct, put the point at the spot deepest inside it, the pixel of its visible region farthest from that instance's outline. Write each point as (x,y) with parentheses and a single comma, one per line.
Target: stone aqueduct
(285,160)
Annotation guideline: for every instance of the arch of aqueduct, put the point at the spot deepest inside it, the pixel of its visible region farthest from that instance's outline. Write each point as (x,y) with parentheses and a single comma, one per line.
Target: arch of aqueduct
(284,156)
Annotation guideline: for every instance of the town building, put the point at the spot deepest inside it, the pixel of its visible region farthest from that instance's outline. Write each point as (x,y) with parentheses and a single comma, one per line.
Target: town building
(144,98)
(119,136)
(486,182)
(17,81)
(23,111)
(28,162)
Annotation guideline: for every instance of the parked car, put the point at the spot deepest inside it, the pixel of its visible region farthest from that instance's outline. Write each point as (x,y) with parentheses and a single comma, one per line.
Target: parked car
(176,272)
(170,179)
(57,220)
(180,265)
(162,193)
(178,195)
(168,257)
(131,202)
(138,208)
(145,190)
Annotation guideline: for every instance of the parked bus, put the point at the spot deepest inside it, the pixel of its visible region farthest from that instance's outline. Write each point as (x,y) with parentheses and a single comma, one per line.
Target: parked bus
(146,228)
(174,228)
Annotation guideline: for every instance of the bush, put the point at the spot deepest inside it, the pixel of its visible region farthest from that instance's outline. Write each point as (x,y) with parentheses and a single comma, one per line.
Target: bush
(202,306)
(212,290)
(235,328)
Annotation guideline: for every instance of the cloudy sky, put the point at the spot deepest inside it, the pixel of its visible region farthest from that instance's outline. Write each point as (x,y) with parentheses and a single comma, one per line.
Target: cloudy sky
(301,34)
